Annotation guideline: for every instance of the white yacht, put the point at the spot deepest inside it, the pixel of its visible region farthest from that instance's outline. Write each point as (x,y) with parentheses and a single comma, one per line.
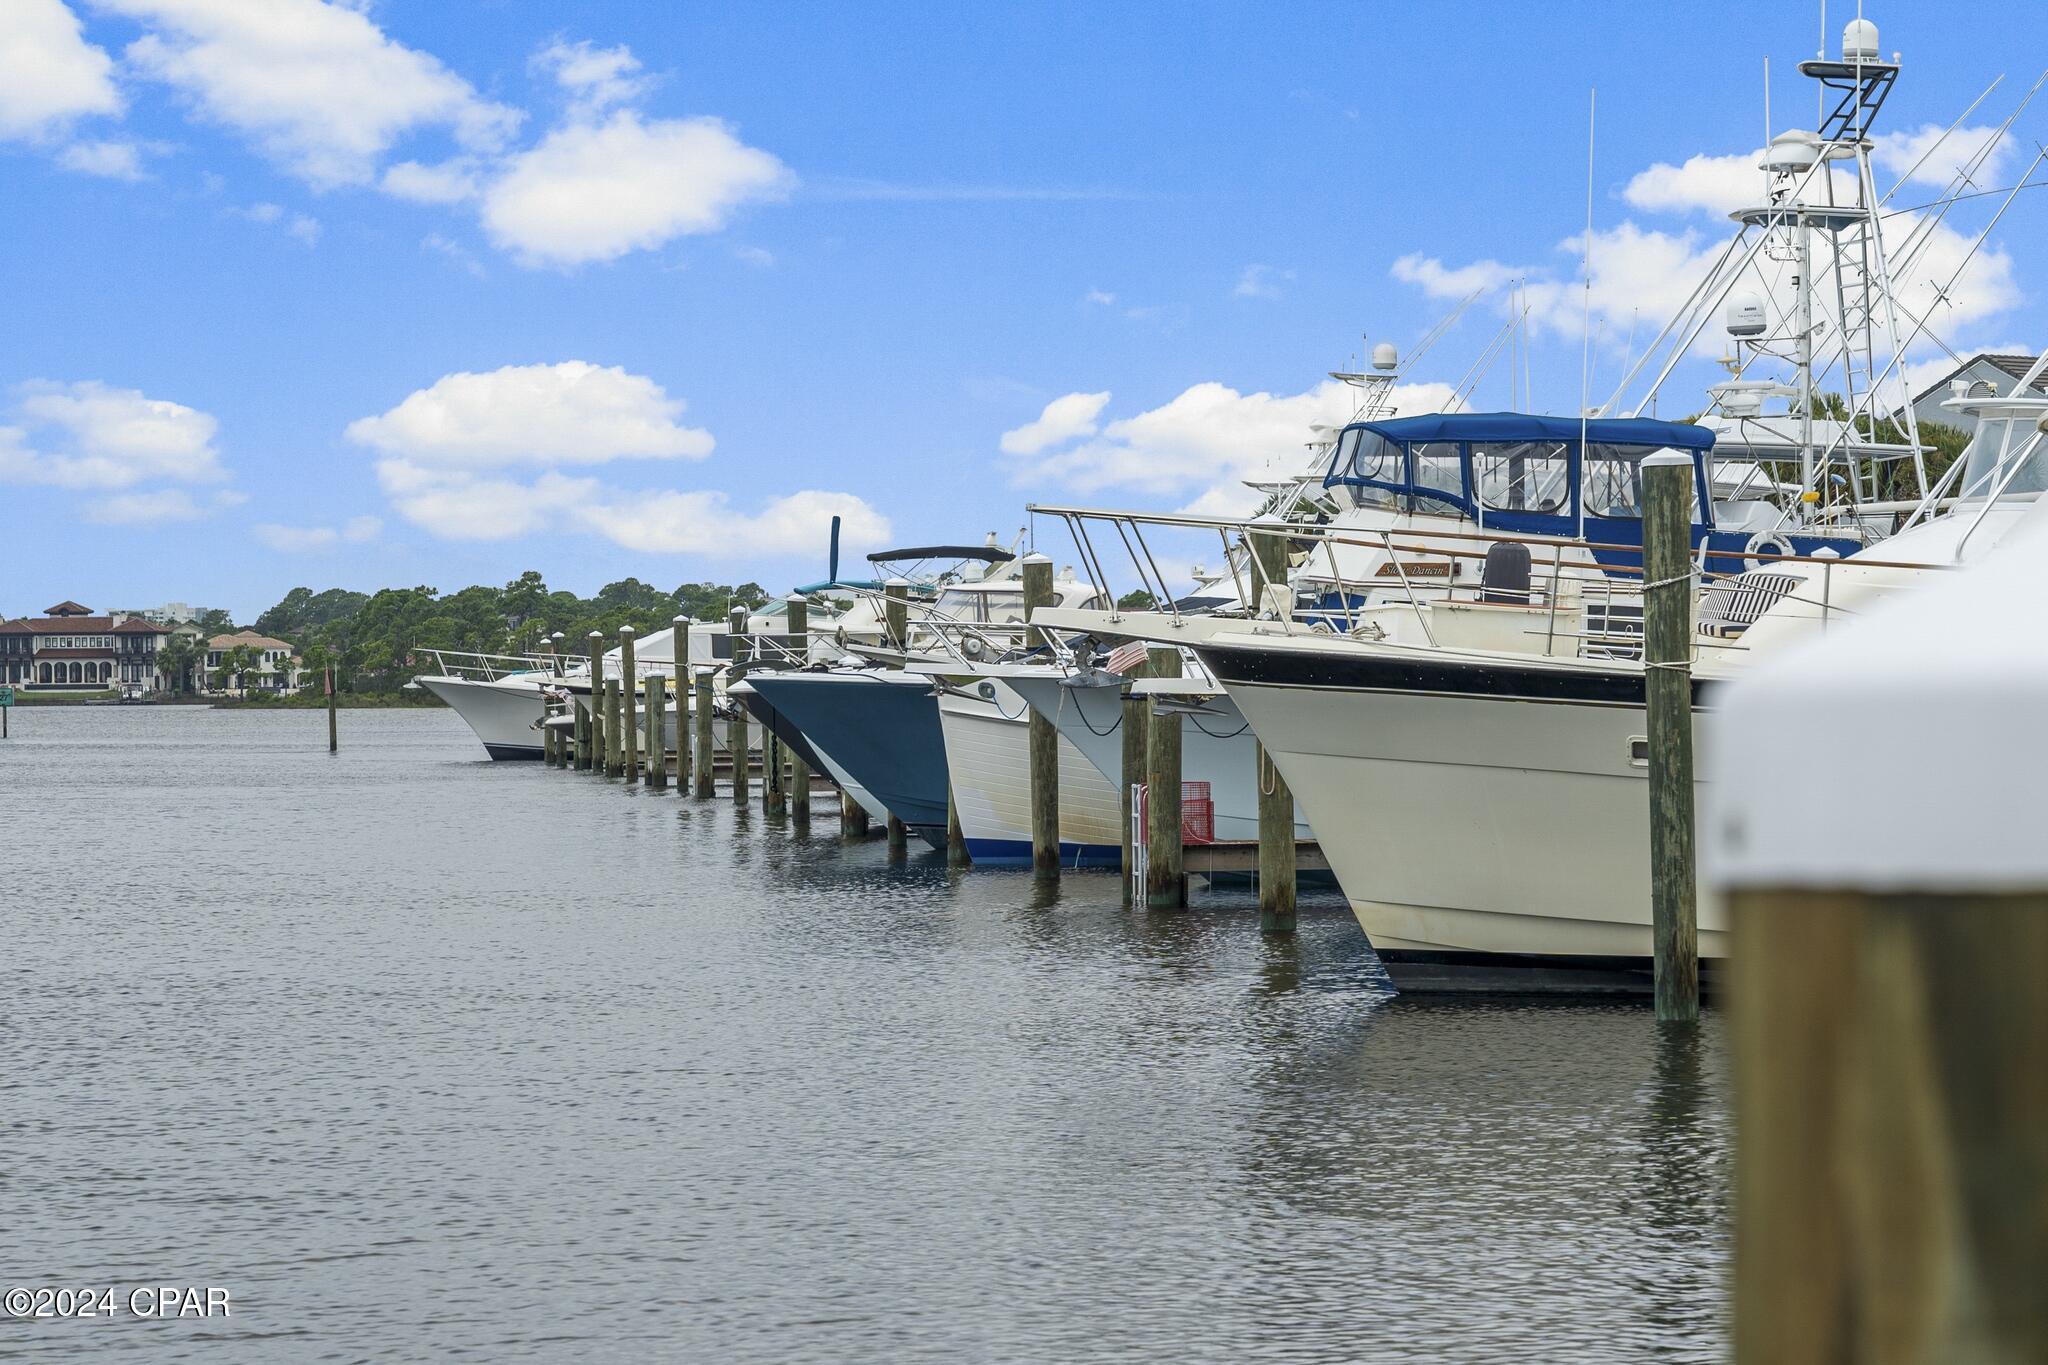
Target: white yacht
(1485,809)
(502,698)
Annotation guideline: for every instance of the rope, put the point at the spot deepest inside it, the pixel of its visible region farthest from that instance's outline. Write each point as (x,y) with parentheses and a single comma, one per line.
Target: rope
(1088,725)
(1211,733)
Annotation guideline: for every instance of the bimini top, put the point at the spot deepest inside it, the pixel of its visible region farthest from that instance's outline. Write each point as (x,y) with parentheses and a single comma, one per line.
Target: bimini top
(988,554)
(1513,471)
(1528,426)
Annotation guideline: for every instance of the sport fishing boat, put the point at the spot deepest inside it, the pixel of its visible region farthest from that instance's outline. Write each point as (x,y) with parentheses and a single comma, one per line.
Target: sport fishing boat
(1485,808)
(877,725)
(502,698)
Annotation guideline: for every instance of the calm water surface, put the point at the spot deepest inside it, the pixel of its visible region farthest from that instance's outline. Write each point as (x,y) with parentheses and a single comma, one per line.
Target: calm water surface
(426,1057)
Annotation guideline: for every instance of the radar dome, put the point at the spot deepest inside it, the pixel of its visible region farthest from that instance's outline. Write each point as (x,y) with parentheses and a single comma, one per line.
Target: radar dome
(1859,41)
(1746,316)
(1791,152)
(1385,356)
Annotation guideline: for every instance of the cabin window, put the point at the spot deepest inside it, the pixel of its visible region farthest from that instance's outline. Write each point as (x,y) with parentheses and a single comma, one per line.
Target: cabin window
(1436,466)
(1614,481)
(1522,476)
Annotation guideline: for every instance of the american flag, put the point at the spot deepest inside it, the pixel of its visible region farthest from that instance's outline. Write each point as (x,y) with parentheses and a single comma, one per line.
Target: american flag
(1126,657)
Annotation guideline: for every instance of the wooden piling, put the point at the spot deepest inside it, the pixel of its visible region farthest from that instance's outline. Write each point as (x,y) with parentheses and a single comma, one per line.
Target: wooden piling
(1890,1170)
(772,802)
(615,731)
(899,837)
(956,840)
(800,647)
(1276,801)
(1166,885)
(1887,976)
(1667,695)
(657,749)
(1137,711)
(590,726)
(630,694)
(333,726)
(736,722)
(703,776)
(896,612)
(680,636)
(1043,738)
(853,817)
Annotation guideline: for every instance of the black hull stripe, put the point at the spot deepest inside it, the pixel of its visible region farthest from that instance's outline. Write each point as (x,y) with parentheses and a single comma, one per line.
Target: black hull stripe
(1501,680)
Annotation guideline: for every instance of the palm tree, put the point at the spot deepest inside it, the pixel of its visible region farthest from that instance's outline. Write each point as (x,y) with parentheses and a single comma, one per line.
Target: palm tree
(175,660)
(237,663)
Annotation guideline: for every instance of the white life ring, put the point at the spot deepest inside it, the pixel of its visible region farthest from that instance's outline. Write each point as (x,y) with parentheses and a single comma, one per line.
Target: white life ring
(1765,543)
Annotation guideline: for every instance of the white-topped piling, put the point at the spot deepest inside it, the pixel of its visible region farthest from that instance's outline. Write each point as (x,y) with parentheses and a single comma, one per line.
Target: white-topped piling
(1876,827)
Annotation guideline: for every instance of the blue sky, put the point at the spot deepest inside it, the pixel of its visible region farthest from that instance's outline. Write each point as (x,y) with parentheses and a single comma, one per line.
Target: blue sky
(414,292)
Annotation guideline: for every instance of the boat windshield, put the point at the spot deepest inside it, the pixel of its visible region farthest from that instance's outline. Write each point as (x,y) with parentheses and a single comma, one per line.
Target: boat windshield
(981,608)
(1363,455)
(1998,441)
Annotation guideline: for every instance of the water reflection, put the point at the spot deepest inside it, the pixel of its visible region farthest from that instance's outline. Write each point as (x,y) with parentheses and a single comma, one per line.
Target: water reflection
(663,1079)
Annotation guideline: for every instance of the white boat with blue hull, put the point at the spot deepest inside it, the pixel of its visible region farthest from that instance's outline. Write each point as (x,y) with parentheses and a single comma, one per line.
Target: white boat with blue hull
(881,727)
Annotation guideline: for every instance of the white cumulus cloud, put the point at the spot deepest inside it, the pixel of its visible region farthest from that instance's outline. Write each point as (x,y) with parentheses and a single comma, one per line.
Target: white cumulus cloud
(1930,155)
(88,435)
(1440,281)
(1703,184)
(1205,441)
(318,87)
(594,77)
(573,412)
(1063,419)
(485,457)
(49,74)
(595,191)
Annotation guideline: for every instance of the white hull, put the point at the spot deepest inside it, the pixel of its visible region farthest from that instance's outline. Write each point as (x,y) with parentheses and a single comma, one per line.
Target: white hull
(1462,824)
(505,714)
(1217,747)
(988,757)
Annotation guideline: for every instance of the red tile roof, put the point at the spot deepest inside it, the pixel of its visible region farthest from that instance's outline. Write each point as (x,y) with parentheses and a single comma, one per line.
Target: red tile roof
(16,628)
(136,625)
(74,653)
(67,609)
(71,625)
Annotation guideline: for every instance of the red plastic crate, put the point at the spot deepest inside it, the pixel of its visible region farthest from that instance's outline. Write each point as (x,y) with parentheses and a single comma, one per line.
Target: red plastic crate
(1197,814)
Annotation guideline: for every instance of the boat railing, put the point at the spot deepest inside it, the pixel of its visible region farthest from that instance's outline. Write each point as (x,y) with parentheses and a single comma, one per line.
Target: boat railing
(476,667)
(1564,576)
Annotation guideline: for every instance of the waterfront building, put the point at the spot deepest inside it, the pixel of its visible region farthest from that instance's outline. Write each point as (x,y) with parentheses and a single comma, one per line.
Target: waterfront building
(277,671)
(172,613)
(1982,375)
(69,649)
